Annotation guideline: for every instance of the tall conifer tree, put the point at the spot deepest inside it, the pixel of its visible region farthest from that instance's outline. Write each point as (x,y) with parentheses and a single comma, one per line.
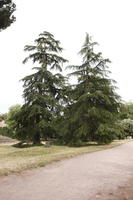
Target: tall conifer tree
(94,108)
(42,89)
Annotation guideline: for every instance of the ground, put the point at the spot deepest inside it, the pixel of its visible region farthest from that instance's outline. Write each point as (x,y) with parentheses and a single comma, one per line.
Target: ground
(102,175)
(14,159)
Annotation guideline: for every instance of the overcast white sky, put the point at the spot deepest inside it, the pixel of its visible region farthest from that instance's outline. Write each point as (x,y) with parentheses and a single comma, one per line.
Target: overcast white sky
(110,22)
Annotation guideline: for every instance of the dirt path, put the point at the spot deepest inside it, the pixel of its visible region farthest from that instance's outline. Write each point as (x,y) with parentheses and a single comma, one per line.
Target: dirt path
(103,175)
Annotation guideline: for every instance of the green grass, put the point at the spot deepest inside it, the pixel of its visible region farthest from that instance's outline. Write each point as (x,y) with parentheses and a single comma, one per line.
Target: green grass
(14,159)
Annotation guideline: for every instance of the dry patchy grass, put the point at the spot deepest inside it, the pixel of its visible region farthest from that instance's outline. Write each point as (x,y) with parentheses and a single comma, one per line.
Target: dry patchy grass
(14,159)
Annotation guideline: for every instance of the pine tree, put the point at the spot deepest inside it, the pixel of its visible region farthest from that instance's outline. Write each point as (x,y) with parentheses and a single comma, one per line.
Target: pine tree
(43,90)
(93,111)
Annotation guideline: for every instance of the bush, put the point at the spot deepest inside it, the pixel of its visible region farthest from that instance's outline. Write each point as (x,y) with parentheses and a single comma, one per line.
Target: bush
(127,127)
(5,131)
(104,134)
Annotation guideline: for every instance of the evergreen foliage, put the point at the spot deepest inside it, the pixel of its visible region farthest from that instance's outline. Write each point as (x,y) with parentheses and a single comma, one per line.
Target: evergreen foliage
(86,111)
(43,90)
(94,106)
(7,7)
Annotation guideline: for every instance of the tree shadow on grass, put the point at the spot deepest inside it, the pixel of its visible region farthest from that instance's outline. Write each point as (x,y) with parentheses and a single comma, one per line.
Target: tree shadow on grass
(82,144)
(56,143)
(26,145)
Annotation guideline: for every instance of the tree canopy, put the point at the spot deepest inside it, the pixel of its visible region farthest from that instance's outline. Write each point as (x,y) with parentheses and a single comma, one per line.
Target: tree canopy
(7,8)
(42,89)
(85,111)
(95,104)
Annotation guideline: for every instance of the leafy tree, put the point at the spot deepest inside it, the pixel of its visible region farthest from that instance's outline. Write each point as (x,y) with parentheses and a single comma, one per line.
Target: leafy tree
(7,7)
(3,117)
(126,128)
(94,106)
(43,90)
(126,111)
(125,121)
(11,119)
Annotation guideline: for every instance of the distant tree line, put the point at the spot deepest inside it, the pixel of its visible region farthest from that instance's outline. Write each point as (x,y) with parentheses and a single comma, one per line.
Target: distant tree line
(89,110)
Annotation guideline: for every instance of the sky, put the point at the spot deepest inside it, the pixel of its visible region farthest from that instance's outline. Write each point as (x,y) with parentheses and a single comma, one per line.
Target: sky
(109,22)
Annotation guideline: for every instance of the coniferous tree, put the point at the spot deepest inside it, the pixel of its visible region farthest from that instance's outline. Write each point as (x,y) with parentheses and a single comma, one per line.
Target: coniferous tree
(43,90)
(94,106)
(7,7)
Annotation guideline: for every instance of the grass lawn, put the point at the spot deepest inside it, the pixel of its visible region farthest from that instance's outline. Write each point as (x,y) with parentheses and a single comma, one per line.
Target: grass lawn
(14,159)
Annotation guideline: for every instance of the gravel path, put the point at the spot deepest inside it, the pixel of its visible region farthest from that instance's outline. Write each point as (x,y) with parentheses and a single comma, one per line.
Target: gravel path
(103,175)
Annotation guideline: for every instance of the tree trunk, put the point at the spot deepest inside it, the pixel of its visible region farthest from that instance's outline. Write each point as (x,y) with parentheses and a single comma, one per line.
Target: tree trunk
(36,139)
